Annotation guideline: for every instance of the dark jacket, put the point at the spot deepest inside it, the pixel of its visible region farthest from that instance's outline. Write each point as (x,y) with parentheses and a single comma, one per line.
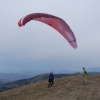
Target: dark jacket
(51,77)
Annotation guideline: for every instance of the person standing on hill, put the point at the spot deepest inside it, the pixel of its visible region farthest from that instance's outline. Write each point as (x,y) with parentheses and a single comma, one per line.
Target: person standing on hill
(51,79)
(85,75)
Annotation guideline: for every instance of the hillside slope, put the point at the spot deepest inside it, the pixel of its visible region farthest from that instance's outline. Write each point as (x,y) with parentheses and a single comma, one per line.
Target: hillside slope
(41,77)
(66,88)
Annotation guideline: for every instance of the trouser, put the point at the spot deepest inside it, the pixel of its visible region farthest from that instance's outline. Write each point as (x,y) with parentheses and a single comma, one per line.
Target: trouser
(85,79)
(51,82)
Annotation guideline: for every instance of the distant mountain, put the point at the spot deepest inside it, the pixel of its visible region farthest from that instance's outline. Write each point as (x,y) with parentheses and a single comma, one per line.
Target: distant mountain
(37,78)
(9,77)
(63,71)
(1,83)
(31,73)
(95,69)
(93,73)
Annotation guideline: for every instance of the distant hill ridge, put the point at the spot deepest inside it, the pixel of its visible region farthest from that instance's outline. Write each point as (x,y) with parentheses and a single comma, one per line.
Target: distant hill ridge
(37,78)
(41,77)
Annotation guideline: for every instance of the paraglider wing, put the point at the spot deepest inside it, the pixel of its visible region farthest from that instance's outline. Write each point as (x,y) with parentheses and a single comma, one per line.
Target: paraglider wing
(57,23)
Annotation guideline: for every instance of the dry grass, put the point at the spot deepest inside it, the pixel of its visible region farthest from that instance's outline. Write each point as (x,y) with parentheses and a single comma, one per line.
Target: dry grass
(67,88)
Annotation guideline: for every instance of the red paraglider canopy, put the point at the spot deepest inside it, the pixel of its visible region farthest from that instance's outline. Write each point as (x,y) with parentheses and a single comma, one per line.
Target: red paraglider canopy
(57,23)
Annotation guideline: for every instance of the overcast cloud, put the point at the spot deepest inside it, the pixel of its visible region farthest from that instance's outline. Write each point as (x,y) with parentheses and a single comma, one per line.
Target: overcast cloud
(38,46)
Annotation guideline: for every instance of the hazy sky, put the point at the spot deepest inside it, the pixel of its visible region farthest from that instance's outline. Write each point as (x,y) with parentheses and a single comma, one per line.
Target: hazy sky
(38,46)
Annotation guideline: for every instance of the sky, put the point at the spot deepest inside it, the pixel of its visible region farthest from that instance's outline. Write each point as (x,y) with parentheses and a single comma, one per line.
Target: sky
(37,46)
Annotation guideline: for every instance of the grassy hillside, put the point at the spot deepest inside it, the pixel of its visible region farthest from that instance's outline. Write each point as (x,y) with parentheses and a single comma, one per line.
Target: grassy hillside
(41,77)
(66,88)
